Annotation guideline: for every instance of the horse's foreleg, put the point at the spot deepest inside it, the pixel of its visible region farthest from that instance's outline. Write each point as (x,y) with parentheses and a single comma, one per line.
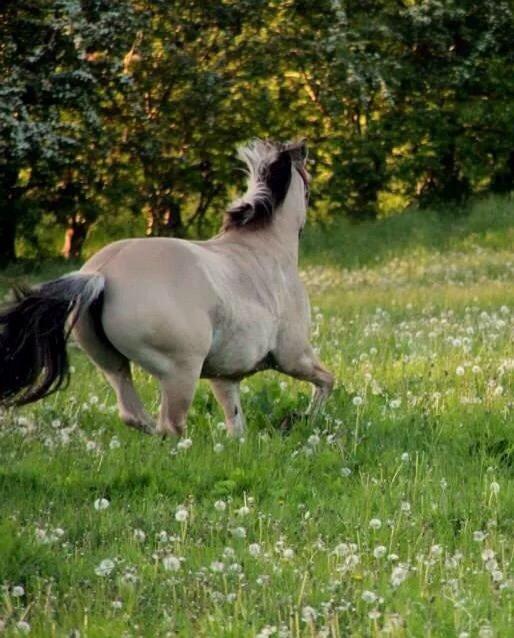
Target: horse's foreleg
(227,394)
(177,391)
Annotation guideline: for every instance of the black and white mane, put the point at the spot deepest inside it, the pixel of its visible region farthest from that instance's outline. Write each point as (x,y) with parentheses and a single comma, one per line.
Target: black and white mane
(269,168)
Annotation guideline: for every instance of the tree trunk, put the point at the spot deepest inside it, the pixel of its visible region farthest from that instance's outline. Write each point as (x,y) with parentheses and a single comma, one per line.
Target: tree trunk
(503,180)
(7,234)
(9,208)
(74,238)
(165,219)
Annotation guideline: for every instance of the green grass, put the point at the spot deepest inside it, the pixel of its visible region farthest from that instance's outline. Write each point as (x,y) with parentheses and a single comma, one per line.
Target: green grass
(394,517)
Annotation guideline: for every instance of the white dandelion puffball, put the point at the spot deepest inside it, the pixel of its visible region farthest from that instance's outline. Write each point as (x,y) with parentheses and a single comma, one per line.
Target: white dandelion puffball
(105,567)
(171,563)
(101,504)
(181,515)
(184,444)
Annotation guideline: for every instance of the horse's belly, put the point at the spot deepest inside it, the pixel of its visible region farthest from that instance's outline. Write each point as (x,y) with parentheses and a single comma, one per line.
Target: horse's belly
(239,355)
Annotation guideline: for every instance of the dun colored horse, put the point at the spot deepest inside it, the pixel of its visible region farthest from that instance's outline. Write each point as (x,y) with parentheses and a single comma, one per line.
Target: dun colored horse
(220,309)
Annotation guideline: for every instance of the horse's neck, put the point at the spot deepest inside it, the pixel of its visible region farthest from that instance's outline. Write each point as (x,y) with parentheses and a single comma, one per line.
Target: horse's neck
(268,244)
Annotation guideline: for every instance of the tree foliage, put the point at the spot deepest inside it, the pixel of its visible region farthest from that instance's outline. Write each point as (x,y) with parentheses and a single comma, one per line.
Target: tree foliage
(116,107)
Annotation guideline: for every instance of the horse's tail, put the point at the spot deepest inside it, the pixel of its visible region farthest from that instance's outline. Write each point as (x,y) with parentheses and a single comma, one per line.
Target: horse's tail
(34,332)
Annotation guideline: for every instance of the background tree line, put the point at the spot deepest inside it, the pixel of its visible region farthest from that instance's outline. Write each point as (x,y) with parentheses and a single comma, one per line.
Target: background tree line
(121,110)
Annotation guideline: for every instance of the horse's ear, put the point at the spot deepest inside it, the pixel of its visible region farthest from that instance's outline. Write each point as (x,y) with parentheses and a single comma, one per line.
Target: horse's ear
(298,152)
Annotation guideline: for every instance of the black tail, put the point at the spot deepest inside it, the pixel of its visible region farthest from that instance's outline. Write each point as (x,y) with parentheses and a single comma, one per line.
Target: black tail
(33,335)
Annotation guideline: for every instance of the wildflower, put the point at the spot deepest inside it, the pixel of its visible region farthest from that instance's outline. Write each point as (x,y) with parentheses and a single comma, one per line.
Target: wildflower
(171,563)
(23,626)
(18,591)
(243,511)
(139,535)
(288,553)
(313,440)
(114,443)
(181,515)
(218,448)
(357,400)
(117,604)
(162,536)
(394,404)
(217,566)
(368,596)
(398,575)
(105,567)
(479,536)
(405,457)
(436,551)
(101,504)
(346,471)
(379,551)
(487,554)
(374,614)
(343,549)
(405,507)
(239,532)
(254,549)
(184,444)
(375,523)
(309,614)
(220,505)
(459,371)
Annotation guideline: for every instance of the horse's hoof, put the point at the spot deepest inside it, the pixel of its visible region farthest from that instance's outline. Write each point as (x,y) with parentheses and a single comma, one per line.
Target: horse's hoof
(288,421)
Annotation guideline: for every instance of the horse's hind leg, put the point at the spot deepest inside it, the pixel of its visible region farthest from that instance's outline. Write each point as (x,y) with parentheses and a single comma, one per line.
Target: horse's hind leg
(177,391)
(116,368)
(229,397)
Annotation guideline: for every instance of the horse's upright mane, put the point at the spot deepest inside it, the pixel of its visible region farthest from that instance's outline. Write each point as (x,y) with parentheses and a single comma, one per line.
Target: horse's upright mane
(269,168)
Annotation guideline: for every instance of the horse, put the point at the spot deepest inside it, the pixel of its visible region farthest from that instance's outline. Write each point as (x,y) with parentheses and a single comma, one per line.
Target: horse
(220,309)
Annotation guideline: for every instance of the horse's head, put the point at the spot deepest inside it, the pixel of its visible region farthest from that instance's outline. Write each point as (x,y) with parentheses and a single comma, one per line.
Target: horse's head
(278,185)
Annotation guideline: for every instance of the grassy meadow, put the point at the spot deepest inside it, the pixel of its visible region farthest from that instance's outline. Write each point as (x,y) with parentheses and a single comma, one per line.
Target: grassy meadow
(392,516)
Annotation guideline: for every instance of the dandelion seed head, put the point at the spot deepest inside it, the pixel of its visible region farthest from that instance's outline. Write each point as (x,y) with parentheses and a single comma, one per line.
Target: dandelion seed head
(220,505)
(105,568)
(375,523)
(101,504)
(171,563)
(181,515)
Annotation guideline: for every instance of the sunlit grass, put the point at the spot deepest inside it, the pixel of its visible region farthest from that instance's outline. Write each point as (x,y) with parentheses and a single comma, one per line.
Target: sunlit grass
(394,516)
